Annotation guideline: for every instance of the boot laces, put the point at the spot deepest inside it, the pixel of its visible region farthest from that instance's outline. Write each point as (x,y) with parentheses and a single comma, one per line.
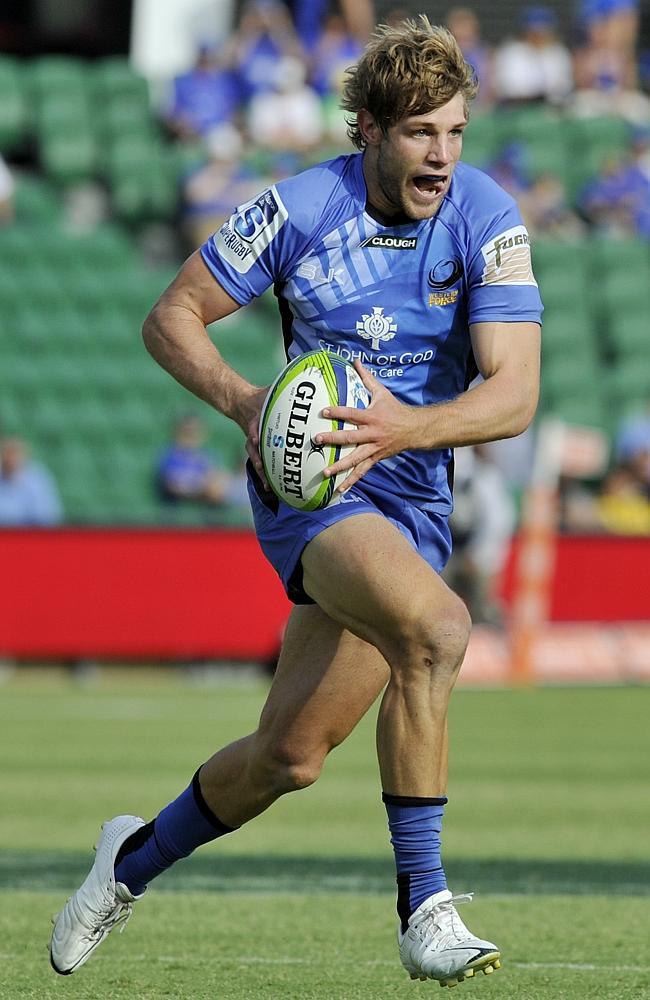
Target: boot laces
(443,918)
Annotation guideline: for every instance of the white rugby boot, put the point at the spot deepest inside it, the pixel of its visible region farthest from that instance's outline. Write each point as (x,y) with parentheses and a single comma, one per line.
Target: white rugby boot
(437,945)
(98,905)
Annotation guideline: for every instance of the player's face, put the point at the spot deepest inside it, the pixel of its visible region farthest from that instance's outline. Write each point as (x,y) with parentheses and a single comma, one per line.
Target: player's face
(409,170)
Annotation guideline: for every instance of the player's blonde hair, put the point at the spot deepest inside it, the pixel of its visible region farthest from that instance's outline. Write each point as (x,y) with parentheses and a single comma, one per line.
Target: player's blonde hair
(410,69)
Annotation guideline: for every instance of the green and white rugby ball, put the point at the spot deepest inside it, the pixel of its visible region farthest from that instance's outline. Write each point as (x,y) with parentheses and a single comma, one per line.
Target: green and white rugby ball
(292,417)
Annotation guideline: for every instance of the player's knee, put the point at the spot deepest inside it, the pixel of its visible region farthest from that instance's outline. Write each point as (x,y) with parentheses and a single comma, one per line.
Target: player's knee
(287,767)
(434,642)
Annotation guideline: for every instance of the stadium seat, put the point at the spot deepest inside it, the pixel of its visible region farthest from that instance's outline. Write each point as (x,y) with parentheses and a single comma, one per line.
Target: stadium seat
(554,255)
(623,293)
(541,135)
(627,334)
(14,113)
(592,142)
(35,200)
(69,154)
(480,140)
(613,255)
(562,332)
(628,382)
(114,78)
(56,75)
(125,118)
(563,291)
(570,374)
(583,410)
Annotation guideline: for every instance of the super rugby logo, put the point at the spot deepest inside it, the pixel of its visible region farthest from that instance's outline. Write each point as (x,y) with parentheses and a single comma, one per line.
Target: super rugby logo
(243,238)
(295,438)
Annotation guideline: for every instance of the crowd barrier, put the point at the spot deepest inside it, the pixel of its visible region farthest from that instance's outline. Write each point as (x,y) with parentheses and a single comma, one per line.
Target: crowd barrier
(156,595)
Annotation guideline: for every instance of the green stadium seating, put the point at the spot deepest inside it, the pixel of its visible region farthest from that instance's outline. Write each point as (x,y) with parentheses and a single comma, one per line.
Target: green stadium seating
(584,409)
(564,332)
(56,75)
(570,374)
(69,151)
(622,294)
(36,201)
(480,140)
(114,78)
(628,336)
(541,136)
(628,383)
(613,255)
(591,143)
(14,113)
(75,376)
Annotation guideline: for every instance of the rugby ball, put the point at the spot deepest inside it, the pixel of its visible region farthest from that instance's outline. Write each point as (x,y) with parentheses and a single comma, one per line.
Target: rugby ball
(292,417)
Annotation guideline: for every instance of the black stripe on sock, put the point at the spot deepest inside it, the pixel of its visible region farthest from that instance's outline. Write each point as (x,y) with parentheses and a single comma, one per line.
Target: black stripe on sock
(205,809)
(135,841)
(412,801)
(404,899)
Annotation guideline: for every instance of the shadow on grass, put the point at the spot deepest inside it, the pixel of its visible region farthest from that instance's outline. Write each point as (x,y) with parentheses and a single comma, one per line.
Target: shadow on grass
(40,871)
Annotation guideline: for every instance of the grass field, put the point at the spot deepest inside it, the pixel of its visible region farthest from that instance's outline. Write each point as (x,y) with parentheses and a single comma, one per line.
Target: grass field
(548,822)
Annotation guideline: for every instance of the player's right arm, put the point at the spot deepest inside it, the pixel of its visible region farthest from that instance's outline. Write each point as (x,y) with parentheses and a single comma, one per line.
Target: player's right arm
(175,335)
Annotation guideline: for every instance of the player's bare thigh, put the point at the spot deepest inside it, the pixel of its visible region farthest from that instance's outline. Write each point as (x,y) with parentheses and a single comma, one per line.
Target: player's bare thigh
(364,574)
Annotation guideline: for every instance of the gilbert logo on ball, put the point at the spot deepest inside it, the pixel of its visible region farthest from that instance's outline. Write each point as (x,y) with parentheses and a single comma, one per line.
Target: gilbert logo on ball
(291,418)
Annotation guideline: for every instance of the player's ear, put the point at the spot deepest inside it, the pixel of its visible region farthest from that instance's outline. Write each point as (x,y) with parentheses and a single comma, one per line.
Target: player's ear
(369,128)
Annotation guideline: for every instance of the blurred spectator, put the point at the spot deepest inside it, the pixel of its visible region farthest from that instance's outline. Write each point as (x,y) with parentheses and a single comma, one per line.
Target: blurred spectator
(6,193)
(396,15)
(546,211)
(509,169)
(618,200)
(482,525)
(264,36)
(212,190)
(610,29)
(358,18)
(606,64)
(288,117)
(623,504)
(632,448)
(335,51)
(464,26)
(188,472)
(206,96)
(542,200)
(28,493)
(536,67)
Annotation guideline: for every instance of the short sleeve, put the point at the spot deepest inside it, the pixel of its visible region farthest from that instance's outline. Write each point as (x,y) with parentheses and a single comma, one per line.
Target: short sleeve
(246,254)
(501,284)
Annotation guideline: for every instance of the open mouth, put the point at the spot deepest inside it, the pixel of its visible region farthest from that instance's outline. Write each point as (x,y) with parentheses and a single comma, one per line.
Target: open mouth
(430,183)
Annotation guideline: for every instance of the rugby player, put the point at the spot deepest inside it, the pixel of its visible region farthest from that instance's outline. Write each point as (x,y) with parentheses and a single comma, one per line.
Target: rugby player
(417,267)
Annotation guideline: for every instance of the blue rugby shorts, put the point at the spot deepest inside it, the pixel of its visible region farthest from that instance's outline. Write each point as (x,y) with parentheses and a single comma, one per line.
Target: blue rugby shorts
(284,532)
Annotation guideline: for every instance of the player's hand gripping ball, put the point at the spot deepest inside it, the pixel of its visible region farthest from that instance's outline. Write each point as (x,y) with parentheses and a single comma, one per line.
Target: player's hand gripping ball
(292,417)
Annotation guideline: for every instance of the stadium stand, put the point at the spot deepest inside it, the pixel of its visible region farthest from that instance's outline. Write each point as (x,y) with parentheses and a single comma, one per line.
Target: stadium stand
(75,378)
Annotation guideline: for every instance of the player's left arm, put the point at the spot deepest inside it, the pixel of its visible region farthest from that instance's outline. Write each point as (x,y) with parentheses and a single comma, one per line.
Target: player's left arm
(501,406)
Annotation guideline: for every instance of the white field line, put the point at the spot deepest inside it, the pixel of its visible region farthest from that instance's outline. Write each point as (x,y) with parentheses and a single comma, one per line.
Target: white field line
(260,960)
(6,956)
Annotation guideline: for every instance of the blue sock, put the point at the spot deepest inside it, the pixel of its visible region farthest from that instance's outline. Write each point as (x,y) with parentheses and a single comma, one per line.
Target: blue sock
(415,826)
(179,829)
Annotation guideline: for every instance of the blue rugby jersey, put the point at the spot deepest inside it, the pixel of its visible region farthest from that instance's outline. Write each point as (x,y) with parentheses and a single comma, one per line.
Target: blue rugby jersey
(398,297)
